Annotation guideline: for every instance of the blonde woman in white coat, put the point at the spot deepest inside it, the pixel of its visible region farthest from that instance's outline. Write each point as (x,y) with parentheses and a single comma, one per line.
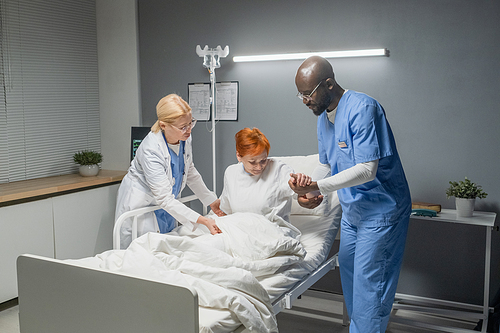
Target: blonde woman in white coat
(162,167)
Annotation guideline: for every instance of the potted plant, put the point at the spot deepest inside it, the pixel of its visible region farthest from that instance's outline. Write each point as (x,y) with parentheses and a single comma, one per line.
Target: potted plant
(465,193)
(88,160)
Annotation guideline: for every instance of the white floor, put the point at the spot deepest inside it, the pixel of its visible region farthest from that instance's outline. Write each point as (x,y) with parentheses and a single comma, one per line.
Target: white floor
(314,312)
(9,320)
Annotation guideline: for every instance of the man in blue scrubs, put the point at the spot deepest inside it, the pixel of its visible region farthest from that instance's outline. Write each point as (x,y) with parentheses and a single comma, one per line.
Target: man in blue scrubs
(359,160)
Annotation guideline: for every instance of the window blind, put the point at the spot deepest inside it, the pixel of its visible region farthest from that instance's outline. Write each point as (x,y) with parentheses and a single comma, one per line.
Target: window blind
(4,162)
(50,78)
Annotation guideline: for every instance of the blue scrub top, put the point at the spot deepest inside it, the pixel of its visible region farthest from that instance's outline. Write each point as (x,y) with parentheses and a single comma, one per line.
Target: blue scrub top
(166,222)
(360,134)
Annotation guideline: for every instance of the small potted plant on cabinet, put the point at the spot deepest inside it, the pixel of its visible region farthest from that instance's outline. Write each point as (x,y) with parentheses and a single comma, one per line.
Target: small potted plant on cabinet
(465,193)
(88,160)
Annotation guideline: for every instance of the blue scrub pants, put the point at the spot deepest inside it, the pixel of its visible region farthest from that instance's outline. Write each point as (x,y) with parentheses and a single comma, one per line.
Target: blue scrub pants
(370,261)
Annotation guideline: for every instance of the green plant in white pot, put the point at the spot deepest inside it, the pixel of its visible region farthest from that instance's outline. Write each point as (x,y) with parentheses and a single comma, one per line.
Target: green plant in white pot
(465,193)
(88,160)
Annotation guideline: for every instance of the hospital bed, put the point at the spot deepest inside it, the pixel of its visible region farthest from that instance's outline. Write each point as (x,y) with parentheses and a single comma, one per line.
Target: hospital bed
(63,296)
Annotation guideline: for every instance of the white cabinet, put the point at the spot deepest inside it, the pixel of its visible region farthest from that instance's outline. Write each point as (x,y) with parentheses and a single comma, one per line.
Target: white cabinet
(24,228)
(83,222)
(73,226)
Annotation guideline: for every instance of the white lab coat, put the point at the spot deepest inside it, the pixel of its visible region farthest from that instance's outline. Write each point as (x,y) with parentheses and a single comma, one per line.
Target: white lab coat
(149,182)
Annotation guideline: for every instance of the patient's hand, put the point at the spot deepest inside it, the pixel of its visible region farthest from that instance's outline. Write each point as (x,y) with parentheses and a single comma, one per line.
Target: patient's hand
(302,184)
(301,179)
(215,206)
(210,224)
(310,201)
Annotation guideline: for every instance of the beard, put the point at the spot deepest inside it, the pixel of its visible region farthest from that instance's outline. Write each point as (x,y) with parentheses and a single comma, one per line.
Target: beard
(318,112)
(318,108)
(320,105)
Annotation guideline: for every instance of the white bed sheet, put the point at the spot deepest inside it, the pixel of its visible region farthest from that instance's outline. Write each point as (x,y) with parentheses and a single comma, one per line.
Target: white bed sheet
(318,235)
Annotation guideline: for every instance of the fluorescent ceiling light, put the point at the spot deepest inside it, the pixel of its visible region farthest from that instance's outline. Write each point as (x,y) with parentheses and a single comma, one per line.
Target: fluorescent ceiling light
(305,55)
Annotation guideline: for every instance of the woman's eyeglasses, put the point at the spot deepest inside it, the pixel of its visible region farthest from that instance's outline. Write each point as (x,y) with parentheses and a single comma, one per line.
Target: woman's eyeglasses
(187,127)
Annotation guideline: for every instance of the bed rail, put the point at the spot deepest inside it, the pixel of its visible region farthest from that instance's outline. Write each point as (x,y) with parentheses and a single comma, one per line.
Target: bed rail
(140,211)
(285,301)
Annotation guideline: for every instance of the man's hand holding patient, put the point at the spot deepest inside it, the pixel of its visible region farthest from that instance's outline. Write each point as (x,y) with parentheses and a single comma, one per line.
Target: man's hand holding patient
(307,190)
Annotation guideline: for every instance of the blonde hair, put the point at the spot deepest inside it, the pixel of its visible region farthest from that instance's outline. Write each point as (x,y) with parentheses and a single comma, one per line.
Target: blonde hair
(169,109)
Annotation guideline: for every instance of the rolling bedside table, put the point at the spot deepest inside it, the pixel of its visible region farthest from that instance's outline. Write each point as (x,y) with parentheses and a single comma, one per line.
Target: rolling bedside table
(471,311)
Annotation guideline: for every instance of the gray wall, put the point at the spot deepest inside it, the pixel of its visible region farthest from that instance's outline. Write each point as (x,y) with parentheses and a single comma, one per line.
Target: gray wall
(438,88)
(118,79)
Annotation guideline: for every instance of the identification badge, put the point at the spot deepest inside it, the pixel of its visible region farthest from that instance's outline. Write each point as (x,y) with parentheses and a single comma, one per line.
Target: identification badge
(342,144)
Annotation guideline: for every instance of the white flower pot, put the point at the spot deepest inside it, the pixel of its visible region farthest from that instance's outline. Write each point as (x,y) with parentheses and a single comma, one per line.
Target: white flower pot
(465,207)
(89,170)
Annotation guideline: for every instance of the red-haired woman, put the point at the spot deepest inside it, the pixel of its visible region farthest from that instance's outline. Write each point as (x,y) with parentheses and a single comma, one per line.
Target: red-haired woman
(257,184)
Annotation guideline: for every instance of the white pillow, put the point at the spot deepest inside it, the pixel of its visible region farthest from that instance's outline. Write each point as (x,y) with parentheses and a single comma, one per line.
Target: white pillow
(306,165)
(303,164)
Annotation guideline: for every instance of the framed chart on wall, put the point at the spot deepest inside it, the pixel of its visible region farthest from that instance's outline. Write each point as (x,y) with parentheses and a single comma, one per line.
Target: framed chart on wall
(227,100)
(199,100)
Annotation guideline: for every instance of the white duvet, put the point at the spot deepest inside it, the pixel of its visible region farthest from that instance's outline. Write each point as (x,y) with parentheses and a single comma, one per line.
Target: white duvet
(223,269)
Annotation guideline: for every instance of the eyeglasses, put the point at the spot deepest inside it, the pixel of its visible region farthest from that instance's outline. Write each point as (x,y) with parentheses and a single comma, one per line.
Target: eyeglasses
(187,127)
(301,96)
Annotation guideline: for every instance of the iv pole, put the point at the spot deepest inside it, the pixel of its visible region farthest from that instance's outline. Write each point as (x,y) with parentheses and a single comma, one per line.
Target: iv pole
(211,61)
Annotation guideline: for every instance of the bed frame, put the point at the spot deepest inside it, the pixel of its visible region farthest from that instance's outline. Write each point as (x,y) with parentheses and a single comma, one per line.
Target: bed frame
(57,296)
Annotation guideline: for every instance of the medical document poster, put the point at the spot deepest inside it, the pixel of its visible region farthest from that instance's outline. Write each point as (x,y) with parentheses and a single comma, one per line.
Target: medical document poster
(227,100)
(199,100)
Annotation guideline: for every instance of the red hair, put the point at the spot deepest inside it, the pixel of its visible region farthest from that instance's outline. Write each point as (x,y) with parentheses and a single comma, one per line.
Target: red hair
(251,142)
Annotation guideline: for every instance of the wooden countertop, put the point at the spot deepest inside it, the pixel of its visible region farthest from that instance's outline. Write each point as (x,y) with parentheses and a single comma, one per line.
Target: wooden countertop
(28,189)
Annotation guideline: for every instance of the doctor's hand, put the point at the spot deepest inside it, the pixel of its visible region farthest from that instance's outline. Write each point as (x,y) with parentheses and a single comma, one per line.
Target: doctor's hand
(215,207)
(210,224)
(302,184)
(310,200)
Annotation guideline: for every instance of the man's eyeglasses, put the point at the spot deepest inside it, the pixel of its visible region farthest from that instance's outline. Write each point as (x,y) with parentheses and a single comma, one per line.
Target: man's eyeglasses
(187,127)
(308,96)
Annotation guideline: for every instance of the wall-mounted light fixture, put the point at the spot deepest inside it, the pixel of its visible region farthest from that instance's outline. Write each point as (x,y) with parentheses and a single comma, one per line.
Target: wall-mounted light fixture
(305,55)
